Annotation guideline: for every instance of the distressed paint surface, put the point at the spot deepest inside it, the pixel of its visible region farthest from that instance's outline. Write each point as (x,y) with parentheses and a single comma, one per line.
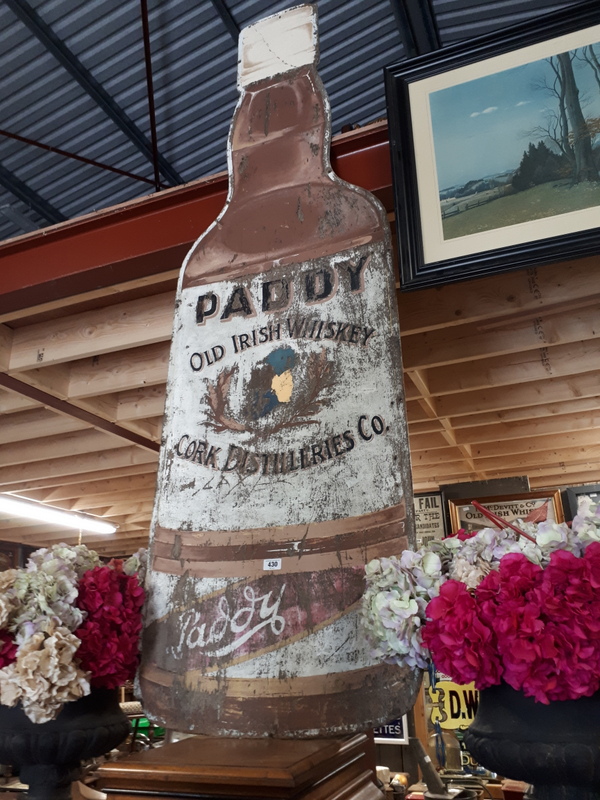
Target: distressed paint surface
(284,422)
(284,466)
(297,403)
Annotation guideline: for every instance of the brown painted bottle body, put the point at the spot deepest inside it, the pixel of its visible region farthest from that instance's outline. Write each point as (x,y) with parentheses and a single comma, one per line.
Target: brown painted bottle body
(284,466)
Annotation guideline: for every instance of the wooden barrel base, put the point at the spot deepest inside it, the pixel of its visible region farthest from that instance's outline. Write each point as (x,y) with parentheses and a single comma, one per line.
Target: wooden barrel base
(318,706)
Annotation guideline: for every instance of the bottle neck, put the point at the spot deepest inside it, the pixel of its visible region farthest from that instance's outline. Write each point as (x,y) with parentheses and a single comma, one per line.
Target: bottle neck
(280,134)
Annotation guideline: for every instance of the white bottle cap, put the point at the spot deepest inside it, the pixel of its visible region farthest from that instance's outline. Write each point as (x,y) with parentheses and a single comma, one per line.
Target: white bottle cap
(277,44)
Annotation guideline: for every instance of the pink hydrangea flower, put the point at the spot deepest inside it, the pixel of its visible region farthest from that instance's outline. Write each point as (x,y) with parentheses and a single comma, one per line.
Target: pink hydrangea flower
(461,644)
(109,636)
(537,629)
(8,649)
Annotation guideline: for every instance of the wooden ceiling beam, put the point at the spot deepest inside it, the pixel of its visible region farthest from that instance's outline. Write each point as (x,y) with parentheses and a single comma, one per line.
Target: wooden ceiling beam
(126,530)
(117,550)
(539,468)
(149,320)
(100,461)
(53,380)
(542,450)
(148,428)
(13,402)
(557,361)
(117,372)
(556,425)
(106,330)
(37,423)
(581,405)
(142,518)
(552,390)
(140,403)
(22,527)
(443,455)
(164,280)
(415,411)
(112,503)
(55,447)
(506,294)
(476,341)
(437,474)
(91,539)
(520,463)
(6,342)
(536,444)
(427,441)
(129,508)
(50,482)
(574,476)
(97,493)
(62,406)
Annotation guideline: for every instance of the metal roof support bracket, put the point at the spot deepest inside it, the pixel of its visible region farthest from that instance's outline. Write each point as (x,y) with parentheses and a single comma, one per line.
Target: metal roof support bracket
(417,26)
(229,22)
(150,89)
(30,197)
(96,91)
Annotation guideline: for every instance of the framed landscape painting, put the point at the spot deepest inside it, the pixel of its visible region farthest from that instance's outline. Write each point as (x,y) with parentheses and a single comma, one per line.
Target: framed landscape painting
(495,149)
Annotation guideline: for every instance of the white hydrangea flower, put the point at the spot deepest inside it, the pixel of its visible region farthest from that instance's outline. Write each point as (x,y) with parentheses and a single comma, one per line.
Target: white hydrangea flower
(586,523)
(394,604)
(46,594)
(63,558)
(137,564)
(399,588)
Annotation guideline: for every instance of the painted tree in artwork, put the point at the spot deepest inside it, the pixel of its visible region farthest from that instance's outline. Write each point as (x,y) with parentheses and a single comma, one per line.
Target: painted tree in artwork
(585,169)
(588,53)
(539,165)
(565,124)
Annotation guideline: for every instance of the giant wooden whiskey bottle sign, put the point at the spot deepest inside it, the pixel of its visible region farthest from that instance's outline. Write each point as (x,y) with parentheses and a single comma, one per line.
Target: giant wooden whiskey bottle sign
(284,462)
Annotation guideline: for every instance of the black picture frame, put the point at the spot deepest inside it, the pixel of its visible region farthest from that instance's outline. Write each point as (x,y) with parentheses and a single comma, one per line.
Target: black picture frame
(572,494)
(426,256)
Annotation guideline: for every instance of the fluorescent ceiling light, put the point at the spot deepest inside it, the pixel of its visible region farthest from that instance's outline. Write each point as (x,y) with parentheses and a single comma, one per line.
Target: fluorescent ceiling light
(29,509)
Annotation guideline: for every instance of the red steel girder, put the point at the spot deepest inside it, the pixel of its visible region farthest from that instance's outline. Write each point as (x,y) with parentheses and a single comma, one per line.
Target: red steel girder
(152,235)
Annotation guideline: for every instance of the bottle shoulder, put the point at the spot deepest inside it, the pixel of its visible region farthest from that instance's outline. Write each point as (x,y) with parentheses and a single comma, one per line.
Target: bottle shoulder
(290,223)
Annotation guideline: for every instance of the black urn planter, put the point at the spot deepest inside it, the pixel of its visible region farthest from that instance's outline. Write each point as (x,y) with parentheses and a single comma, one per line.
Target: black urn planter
(48,755)
(555,747)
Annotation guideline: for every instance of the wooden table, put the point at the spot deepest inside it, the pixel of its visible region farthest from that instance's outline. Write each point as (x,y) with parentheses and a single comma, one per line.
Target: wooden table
(203,767)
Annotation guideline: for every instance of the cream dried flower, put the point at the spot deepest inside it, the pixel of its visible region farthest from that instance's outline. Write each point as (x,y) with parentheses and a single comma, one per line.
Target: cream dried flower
(9,602)
(7,579)
(44,675)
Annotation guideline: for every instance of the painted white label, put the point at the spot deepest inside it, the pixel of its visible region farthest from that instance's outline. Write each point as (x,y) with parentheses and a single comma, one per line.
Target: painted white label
(284,398)
(271,563)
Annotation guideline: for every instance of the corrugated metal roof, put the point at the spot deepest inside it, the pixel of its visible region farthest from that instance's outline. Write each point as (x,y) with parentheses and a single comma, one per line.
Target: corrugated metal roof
(465,19)
(194,60)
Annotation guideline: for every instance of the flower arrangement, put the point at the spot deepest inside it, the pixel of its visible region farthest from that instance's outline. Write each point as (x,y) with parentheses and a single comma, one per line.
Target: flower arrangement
(68,624)
(495,606)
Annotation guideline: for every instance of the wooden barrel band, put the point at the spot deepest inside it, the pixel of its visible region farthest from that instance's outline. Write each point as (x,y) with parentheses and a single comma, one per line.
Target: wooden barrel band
(236,554)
